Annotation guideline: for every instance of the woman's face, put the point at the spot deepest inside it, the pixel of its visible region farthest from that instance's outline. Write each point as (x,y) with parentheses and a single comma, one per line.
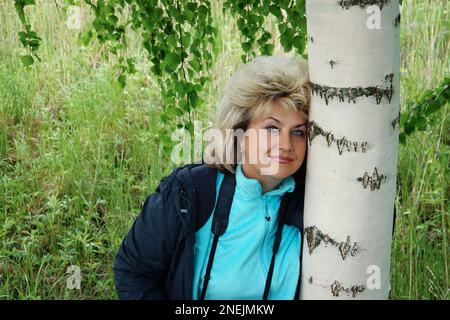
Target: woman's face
(275,144)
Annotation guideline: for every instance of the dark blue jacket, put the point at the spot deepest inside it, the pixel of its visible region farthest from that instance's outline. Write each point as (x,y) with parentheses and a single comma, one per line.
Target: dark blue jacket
(156,258)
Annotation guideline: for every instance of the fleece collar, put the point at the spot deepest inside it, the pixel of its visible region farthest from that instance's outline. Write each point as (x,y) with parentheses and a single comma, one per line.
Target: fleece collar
(251,189)
(198,181)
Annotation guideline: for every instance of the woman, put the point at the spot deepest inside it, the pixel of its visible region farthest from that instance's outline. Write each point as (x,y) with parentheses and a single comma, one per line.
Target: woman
(230,229)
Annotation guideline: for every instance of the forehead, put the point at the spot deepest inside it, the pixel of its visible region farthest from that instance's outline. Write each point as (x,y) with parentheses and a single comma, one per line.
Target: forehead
(282,113)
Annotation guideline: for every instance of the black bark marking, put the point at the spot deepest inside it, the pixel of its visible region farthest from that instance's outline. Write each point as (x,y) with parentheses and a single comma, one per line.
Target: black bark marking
(333,63)
(345,4)
(315,237)
(337,288)
(396,121)
(389,77)
(397,20)
(311,39)
(343,143)
(351,93)
(374,180)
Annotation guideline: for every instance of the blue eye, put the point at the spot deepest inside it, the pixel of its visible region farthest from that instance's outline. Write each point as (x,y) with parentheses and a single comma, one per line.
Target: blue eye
(273,129)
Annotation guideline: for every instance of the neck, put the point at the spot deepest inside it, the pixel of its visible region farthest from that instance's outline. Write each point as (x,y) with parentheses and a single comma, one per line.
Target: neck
(268,183)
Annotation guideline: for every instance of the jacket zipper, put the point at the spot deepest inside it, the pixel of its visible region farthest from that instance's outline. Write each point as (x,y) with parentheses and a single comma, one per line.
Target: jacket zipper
(266,234)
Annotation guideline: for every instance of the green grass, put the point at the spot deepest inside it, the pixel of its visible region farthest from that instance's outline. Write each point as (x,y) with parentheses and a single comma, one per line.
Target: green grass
(77,157)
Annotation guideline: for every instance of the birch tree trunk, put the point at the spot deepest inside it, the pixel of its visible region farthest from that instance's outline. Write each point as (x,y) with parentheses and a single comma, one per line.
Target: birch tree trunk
(354,62)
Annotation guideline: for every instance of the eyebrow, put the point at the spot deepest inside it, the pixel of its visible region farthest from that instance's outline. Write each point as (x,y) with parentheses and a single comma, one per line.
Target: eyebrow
(296,126)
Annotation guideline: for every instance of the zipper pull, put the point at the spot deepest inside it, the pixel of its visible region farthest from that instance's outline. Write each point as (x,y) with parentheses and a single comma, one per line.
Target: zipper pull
(267,214)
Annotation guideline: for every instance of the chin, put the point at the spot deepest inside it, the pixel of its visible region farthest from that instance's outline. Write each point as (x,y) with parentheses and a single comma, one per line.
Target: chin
(283,171)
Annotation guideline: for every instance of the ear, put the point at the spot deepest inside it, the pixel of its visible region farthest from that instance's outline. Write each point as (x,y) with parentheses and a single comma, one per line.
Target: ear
(240,143)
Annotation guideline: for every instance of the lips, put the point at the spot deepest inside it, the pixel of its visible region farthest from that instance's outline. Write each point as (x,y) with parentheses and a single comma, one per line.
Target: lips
(282,159)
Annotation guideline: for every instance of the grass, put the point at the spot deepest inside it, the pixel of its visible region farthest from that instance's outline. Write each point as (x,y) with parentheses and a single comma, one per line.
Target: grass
(77,157)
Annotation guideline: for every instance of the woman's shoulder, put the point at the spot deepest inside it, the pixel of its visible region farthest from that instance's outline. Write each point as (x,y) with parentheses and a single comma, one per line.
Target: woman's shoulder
(189,176)
(194,183)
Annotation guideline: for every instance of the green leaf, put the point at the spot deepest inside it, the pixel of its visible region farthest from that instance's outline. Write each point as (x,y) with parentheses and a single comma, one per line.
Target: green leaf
(191,6)
(268,49)
(302,24)
(85,38)
(276,11)
(402,138)
(184,105)
(23,38)
(427,94)
(198,87)
(196,53)
(174,111)
(98,24)
(240,23)
(131,68)
(408,128)
(286,39)
(195,65)
(122,80)
(246,46)
(191,73)
(113,19)
(253,19)
(264,37)
(156,69)
(282,28)
(298,42)
(179,87)
(432,107)
(22,35)
(300,4)
(212,30)
(34,43)
(283,3)
(420,123)
(203,12)
(171,62)
(163,118)
(194,99)
(203,80)
(172,40)
(186,37)
(154,14)
(266,7)
(27,60)
(190,128)
(403,118)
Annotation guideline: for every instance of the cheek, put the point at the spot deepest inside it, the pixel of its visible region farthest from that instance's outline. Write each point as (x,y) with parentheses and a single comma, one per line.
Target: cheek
(260,144)
(300,150)
(265,143)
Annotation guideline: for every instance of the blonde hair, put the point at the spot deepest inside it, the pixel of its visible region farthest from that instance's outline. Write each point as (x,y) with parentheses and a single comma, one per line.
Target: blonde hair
(250,93)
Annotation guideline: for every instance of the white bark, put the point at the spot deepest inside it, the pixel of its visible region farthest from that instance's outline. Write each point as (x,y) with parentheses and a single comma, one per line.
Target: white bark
(336,202)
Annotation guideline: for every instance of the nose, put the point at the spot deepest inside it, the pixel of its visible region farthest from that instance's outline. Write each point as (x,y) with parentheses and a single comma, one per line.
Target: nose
(285,142)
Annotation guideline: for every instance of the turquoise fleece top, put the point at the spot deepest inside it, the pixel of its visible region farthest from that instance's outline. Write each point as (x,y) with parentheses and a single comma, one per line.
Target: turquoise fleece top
(244,251)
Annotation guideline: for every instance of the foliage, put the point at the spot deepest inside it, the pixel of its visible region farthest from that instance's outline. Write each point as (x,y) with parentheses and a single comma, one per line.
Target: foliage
(78,156)
(28,37)
(182,43)
(291,21)
(418,113)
